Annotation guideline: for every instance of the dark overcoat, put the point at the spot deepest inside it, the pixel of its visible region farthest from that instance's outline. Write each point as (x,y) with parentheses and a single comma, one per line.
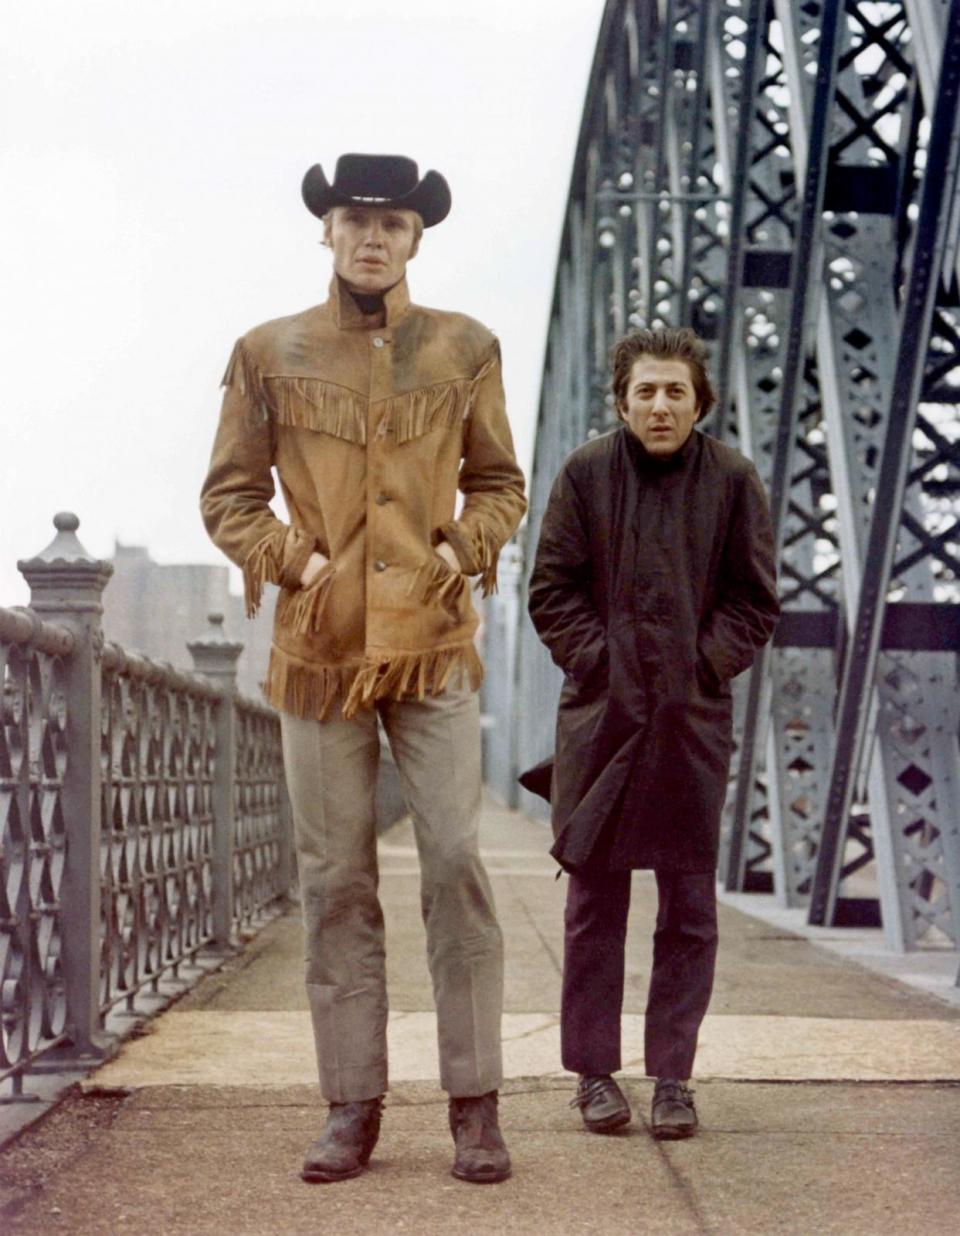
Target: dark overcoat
(654,585)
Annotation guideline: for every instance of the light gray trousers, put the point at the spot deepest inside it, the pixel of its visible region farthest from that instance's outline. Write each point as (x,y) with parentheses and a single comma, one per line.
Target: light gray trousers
(331,770)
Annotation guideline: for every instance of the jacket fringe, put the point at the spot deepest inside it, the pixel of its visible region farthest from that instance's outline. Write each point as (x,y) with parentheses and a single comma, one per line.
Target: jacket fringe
(305,689)
(413,674)
(491,361)
(478,552)
(436,581)
(445,405)
(263,566)
(417,413)
(488,555)
(324,407)
(302,610)
(243,373)
(309,690)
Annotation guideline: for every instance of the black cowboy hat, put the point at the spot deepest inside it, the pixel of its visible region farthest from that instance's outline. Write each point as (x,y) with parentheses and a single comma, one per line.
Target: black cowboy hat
(378,180)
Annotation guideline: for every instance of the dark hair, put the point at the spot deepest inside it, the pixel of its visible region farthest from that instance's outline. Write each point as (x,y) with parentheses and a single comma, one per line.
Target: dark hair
(665,344)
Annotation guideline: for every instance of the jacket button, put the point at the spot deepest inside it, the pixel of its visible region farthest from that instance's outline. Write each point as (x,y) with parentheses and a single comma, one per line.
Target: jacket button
(382,499)
(377,341)
(379,565)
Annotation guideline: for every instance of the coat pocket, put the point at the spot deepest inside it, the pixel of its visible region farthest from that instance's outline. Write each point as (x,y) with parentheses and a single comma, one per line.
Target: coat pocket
(708,684)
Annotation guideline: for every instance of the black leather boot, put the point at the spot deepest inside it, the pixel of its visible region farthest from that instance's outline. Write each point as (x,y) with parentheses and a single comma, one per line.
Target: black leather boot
(481,1156)
(347,1142)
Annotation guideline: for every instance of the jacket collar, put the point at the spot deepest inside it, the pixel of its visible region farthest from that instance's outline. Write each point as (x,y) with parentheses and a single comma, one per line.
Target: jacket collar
(346,312)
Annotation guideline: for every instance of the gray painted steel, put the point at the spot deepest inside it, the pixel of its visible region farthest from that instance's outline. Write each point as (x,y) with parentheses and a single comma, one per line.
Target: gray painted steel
(739,173)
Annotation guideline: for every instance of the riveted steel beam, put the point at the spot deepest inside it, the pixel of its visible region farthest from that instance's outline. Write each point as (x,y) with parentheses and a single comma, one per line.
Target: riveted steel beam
(738,178)
(930,245)
(802,267)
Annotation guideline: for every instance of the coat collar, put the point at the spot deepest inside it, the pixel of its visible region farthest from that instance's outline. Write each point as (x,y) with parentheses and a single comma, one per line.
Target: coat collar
(346,313)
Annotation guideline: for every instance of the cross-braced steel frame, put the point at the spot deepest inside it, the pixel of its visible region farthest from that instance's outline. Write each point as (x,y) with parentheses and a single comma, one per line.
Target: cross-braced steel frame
(782,176)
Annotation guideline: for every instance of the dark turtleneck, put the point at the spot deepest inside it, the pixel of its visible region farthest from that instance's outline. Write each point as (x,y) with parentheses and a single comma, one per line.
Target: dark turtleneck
(656,463)
(368,302)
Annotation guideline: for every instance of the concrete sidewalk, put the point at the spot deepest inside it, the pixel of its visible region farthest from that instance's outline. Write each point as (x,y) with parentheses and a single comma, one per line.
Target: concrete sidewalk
(829,1096)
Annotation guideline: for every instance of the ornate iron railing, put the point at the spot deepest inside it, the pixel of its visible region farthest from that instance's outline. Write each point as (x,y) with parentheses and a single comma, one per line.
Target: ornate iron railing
(158,758)
(33,761)
(261,870)
(143,817)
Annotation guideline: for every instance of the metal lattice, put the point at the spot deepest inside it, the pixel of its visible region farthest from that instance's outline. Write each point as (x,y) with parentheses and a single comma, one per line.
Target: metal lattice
(33,764)
(261,818)
(156,830)
(782,176)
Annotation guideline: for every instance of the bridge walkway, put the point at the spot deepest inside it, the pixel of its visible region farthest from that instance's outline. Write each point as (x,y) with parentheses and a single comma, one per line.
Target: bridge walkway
(829,1097)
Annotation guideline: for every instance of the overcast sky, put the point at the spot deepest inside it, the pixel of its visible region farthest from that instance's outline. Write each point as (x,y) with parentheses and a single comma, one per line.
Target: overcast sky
(151,156)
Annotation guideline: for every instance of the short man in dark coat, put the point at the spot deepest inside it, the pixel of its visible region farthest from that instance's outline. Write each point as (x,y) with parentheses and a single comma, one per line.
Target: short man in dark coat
(654,585)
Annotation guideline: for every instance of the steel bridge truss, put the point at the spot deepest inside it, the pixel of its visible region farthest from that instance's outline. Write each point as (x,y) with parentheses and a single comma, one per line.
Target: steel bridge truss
(782,176)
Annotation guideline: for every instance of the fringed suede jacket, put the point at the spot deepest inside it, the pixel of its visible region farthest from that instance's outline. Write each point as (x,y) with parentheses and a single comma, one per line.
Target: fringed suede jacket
(372,429)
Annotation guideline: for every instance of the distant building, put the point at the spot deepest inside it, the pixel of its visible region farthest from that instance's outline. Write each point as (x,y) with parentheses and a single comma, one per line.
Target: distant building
(156,609)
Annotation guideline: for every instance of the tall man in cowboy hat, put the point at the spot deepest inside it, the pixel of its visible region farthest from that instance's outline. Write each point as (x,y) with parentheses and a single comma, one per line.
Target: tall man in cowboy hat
(654,585)
(374,412)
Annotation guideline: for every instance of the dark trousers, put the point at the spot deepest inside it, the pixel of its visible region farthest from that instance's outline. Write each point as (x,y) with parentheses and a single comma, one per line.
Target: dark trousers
(684,953)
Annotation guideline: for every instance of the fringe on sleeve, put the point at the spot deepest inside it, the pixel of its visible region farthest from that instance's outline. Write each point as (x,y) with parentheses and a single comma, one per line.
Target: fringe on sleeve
(243,373)
(264,565)
(477,550)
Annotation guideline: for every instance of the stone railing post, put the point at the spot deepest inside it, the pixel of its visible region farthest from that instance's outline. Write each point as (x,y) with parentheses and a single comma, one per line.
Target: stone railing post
(215,657)
(66,587)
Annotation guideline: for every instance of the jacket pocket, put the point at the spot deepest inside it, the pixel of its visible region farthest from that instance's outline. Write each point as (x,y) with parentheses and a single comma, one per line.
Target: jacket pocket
(301,609)
(437,583)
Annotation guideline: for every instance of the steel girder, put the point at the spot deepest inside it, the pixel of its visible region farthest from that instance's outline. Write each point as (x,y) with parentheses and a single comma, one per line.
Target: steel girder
(781,175)
(898,805)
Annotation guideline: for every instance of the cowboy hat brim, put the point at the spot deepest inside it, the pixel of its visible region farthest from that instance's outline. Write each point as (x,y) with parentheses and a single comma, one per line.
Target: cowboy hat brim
(430,198)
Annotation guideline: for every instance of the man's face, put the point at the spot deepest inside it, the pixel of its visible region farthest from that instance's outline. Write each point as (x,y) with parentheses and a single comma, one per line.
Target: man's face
(660,405)
(371,246)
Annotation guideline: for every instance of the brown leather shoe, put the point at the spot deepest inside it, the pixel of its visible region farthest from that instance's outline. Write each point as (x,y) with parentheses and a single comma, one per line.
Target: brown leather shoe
(672,1114)
(481,1156)
(602,1103)
(344,1148)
